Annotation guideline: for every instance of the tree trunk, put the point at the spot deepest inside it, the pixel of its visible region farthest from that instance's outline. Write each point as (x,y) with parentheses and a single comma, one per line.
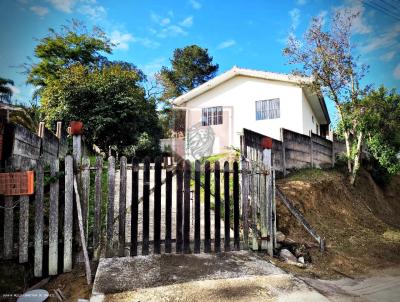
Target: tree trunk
(357,159)
(348,150)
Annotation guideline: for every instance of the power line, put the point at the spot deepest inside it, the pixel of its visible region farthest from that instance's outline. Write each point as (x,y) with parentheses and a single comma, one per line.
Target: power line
(381,9)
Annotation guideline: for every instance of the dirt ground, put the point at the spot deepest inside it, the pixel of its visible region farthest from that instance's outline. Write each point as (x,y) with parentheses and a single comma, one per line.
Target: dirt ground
(361,224)
(72,285)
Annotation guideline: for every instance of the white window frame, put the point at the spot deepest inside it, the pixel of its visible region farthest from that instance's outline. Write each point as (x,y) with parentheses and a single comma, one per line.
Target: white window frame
(211,116)
(268,109)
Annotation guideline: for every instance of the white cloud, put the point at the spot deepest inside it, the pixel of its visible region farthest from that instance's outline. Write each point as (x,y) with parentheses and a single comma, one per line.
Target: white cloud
(121,40)
(359,25)
(388,56)
(94,12)
(39,10)
(15,90)
(322,16)
(187,22)
(148,43)
(396,72)
(226,44)
(295,16)
(386,39)
(195,4)
(171,31)
(65,6)
(301,2)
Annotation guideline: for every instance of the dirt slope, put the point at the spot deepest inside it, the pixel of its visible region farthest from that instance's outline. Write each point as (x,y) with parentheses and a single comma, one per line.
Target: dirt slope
(361,224)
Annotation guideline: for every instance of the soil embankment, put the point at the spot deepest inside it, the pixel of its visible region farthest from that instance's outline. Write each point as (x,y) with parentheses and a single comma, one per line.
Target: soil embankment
(361,224)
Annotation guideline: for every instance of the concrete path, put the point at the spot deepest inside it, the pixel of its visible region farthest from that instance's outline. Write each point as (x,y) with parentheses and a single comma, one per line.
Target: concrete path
(151,214)
(383,286)
(234,276)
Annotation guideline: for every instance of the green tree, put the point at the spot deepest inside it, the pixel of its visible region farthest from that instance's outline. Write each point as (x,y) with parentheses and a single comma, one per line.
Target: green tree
(111,102)
(381,114)
(191,66)
(72,44)
(329,67)
(5,90)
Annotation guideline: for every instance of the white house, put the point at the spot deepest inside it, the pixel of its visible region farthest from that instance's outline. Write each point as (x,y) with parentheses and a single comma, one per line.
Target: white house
(260,101)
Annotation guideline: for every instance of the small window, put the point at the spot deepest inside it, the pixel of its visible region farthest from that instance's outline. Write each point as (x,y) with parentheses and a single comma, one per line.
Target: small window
(212,116)
(268,109)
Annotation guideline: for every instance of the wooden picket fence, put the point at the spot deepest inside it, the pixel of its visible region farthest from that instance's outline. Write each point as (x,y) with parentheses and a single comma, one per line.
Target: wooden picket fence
(184,208)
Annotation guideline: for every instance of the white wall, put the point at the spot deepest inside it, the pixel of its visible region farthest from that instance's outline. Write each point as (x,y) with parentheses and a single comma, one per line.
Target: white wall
(308,113)
(241,93)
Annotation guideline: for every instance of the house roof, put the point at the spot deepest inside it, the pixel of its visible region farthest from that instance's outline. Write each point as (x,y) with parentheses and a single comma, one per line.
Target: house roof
(236,71)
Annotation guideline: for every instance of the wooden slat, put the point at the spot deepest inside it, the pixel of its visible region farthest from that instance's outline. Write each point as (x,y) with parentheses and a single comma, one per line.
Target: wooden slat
(23,228)
(186,216)
(254,204)
(197,207)
(146,198)
(110,205)
(8,226)
(179,214)
(227,213)
(85,192)
(135,209)
(168,209)
(53,219)
(39,208)
(77,150)
(68,218)
(97,203)
(122,207)
(217,208)
(245,202)
(236,206)
(157,206)
(207,194)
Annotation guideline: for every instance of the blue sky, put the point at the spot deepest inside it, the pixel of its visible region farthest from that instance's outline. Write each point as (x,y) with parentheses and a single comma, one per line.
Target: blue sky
(248,34)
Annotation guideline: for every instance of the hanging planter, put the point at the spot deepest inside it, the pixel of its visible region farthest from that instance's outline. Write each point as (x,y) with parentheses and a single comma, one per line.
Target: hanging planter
(76,127)
(266,143)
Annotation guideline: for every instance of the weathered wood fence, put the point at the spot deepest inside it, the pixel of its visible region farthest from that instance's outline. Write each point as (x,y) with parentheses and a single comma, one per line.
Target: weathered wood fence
(295,150)
(184,208)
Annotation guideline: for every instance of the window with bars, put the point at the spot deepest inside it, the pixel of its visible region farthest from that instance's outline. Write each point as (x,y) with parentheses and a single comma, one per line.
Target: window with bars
(268,109)
(212,116)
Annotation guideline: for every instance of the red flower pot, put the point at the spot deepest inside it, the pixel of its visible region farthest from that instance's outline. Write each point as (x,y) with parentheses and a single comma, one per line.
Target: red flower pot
(76,127)
(266,143)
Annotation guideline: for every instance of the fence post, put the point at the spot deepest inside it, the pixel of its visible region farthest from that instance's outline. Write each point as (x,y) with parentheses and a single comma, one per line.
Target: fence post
(146,193)
(53,219)
(207,193)
(8,226)
(264,202)
(135,207)
(227,213)
(122,207)
(110,204)
(38,264)
(197,207)
(97,206)
(68,218)
(217,208)
(179,215)
(168,209)
(236,206)
(311,150)
(157,206)
(283,152)
(85,192)
(254,205)
(245,202)
(186,215)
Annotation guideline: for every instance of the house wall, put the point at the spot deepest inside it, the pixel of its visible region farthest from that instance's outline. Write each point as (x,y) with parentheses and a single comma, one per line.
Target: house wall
(240,94)
(308,113)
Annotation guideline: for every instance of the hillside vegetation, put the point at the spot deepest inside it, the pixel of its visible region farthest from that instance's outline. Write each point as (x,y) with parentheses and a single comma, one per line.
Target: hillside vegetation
(361,224)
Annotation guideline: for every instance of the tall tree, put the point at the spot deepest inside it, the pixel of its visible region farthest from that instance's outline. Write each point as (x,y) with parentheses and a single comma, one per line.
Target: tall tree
(327,57)
(111,103)
(5,90)
(382,127)
(62,49)
(191,66)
